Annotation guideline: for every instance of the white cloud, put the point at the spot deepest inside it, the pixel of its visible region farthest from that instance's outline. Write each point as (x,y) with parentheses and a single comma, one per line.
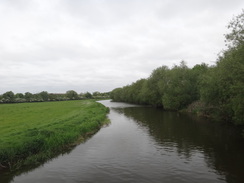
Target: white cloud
(94,45)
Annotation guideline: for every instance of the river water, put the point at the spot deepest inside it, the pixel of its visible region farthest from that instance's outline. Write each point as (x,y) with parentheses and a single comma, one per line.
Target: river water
(144,144)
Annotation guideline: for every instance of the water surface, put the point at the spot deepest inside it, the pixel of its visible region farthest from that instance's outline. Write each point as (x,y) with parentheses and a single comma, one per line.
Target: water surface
(144,144)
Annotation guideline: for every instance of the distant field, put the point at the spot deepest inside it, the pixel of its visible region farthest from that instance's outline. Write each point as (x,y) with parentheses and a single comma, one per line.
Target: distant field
(37,130)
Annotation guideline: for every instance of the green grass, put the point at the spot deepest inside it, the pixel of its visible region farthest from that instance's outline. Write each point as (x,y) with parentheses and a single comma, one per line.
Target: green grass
(34,132)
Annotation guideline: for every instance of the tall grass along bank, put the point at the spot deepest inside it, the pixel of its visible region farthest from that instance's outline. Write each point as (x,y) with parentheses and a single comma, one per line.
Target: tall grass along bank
(34,132)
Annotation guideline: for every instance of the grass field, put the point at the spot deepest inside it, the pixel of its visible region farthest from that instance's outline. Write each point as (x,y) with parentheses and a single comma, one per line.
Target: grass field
(33,132)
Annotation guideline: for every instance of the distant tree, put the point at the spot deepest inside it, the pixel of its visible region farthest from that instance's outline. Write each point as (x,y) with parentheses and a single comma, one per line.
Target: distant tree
(116,94)
(19,95)
(179,90)
(72,95)
(153,90)
(37,98)
(52,96)
(28,96)
(136,92)
(96,94)
(44,95)
(81,95)
(8,96)
(88,95)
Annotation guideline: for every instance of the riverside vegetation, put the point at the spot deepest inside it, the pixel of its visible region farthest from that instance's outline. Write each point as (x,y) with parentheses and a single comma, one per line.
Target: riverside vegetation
(214,91)
(10,97)
(31,133)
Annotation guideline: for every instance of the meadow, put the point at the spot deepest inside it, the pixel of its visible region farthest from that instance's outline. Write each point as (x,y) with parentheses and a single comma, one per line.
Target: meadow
(31,133)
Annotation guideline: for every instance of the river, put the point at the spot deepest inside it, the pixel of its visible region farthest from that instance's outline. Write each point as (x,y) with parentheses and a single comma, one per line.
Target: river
(144,144)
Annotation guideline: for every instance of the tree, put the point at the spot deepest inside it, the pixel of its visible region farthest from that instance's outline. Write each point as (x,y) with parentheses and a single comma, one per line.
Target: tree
(72,95)
(44,95)
(96,94)
(236,35)
(197,72)
(88,95)
(28,96)
(179,90)
(52,96)
(116,94)
(153,87)
(223,85)
(8,96)
(19,95)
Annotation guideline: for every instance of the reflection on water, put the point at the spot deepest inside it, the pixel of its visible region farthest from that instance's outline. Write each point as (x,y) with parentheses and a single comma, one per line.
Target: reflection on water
(145,144)
(220,145)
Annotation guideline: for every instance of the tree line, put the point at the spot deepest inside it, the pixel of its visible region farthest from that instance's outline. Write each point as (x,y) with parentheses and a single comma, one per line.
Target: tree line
(215,91)
(10,97)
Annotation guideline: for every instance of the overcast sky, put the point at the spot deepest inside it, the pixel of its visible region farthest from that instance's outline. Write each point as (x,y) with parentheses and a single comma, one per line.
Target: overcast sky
(99,45)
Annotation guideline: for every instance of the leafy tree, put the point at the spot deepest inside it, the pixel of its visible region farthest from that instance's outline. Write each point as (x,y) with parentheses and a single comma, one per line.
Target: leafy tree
(28,96)
(179,90)
(37,98)
(53,96)
(116,94)
(236,35)
(136,89)
(8,96)
(154,86)
(197,72)
(223,86)
(44,95)
(19,95)
(88,95)
(95,94)
(72,95)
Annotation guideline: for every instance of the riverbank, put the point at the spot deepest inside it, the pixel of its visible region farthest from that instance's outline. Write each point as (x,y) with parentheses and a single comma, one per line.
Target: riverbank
(146,144)
(32,133)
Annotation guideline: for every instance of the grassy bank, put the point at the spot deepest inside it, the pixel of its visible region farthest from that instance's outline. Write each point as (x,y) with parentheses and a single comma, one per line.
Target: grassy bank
(34,132)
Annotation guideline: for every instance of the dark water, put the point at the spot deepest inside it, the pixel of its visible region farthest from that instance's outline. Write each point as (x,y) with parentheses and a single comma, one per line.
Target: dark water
(144,144)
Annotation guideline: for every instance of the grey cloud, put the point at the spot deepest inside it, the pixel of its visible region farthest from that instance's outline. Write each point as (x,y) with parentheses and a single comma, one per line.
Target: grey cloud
(99,45)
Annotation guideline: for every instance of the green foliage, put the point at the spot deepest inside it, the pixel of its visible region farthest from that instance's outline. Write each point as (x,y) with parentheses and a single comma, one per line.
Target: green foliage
(223,85)
(116,94)
(72,95)
(96,94)
(32,132)
(44,96)
(154,86)
(169,88)
(235,37)
(180,88)
(8,97)
(19,95)
(88,95)
(28,96)
(219,89)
